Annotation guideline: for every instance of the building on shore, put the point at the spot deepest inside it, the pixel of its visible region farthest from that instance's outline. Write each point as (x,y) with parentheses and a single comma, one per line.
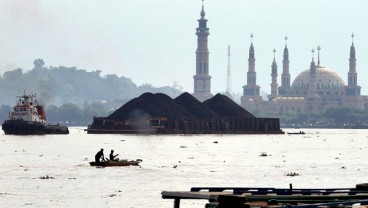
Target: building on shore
(314,90)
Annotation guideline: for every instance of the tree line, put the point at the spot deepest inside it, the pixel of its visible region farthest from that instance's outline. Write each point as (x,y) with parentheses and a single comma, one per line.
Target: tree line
(59,85)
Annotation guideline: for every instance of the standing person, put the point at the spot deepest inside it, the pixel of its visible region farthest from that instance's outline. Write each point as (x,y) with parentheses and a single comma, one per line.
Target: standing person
(112,156)
(100,155)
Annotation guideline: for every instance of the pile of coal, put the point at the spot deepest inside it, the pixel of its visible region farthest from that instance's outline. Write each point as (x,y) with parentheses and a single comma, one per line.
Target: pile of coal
(185,106)
(150,105)
(225,107)
(194,106)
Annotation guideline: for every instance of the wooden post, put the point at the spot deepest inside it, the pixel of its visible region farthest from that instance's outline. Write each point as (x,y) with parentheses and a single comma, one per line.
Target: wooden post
(177,203)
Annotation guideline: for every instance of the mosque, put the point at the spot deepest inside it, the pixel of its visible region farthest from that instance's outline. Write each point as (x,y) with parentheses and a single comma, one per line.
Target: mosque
(313,91)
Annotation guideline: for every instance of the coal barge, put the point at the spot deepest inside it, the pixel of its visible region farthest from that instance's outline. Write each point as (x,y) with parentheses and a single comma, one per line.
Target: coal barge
(28,118)
(160,114)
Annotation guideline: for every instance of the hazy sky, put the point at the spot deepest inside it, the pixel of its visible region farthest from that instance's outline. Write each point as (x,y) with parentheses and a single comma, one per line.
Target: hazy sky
(154,41)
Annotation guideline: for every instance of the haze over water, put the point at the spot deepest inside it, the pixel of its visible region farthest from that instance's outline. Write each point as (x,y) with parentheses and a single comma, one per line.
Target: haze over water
(323,158)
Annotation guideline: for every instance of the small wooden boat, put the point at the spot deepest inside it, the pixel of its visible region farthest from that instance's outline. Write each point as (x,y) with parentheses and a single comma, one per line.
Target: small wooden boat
(116,163)
(300,132)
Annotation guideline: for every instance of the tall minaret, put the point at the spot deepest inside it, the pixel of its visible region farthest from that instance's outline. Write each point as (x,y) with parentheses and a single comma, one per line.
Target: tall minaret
(251,97)
(251,89)
(285,76)
(202,79)
(352,89)
(313,75)
(274,78)
(251,75)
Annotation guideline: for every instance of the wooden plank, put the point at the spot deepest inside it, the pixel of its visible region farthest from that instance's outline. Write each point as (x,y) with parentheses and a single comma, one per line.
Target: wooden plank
(191,195)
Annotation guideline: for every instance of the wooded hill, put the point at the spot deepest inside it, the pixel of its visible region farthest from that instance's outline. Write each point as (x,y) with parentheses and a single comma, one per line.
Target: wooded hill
(59,85)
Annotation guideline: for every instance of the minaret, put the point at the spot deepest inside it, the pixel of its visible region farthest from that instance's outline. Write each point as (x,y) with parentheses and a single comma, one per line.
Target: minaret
(285,76)
(228,77)
(274,78)
(251,75)
(251,90)
(202,79)
(352,89)
(352,75)
(313,76)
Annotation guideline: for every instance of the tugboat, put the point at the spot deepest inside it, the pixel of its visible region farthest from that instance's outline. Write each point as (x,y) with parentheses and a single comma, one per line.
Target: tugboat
(28,118)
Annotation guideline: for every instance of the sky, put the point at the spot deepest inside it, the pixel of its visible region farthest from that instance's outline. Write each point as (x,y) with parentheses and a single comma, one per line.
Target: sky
(154,41)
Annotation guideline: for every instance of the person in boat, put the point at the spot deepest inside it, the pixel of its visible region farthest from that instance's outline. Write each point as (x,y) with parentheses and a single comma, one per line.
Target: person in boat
(112,156)
(100,155)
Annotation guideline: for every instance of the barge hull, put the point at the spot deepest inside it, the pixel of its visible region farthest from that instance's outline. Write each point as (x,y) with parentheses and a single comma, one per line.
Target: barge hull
(164,125)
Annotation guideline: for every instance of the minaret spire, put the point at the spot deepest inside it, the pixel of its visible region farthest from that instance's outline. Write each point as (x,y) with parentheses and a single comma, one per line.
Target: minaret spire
(202,12)
(352,39)
(252,87)
(318,48)
(352,75)
(352,89)
(284,89)
(251,64)
(202,79)
(286,38)
(312,76)
(251,91)
(274,77)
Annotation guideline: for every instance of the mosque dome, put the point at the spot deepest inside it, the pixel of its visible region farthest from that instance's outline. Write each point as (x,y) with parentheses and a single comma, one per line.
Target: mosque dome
(326,80)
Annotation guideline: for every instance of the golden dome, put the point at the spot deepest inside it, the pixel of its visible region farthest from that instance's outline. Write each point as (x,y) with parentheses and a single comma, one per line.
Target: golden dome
(326,79)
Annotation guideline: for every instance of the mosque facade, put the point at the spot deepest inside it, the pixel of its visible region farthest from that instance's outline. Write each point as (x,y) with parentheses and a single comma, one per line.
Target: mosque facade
(314,90)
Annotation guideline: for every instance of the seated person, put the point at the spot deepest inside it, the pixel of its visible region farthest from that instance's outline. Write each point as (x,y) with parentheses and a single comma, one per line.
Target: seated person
(99,155)
(112,156)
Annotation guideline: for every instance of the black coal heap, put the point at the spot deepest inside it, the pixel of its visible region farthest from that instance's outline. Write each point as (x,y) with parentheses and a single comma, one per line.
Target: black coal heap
(185,106)
(225,107)
(194,106)
(150,105)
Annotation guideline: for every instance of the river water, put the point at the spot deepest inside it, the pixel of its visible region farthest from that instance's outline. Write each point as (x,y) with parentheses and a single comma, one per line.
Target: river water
(322,158)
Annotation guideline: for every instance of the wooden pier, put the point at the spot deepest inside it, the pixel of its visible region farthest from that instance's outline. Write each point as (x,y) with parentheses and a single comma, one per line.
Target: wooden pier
(245,197)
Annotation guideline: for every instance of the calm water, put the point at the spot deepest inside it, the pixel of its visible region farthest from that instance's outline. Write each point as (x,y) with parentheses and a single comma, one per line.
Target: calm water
(322,158)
